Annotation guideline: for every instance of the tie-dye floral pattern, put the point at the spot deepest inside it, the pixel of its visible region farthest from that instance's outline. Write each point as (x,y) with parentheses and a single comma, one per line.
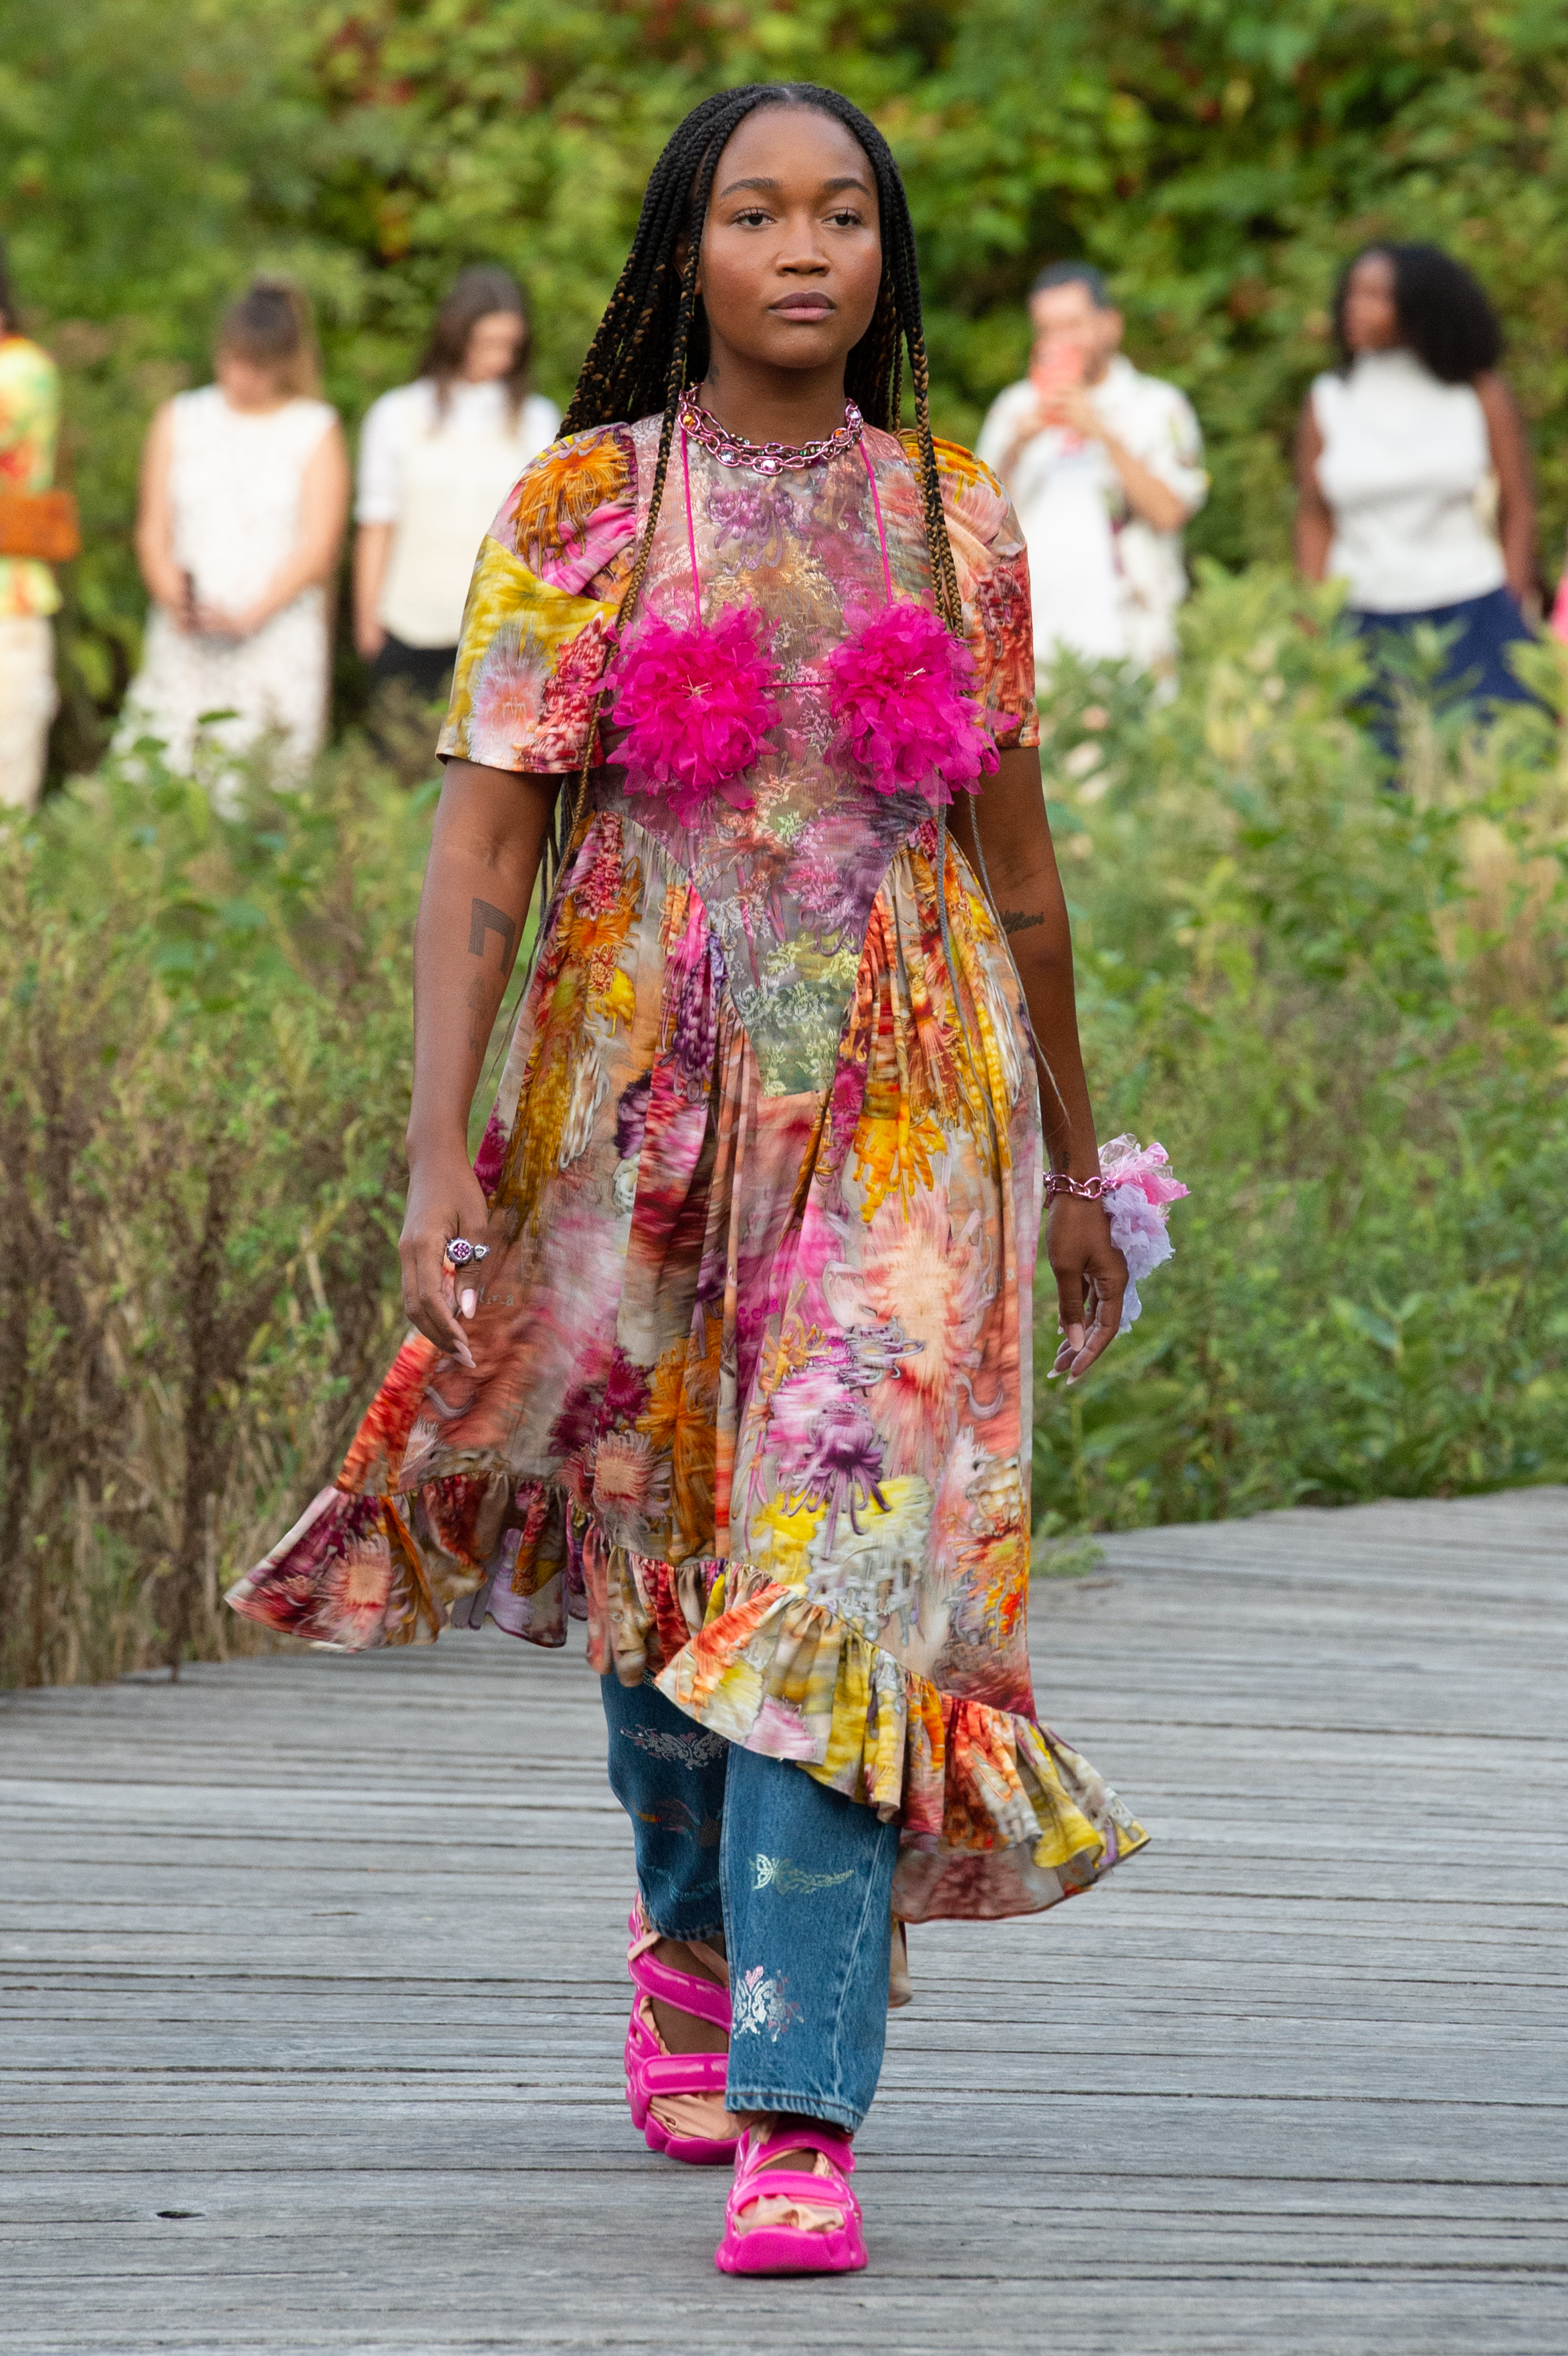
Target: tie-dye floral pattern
(753,1350)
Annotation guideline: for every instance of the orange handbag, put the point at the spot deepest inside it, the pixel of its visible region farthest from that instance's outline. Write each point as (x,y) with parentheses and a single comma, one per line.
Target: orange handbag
(41,524)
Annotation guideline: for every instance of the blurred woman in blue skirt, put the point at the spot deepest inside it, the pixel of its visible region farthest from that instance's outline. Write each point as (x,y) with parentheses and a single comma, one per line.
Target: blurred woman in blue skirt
(1414,477)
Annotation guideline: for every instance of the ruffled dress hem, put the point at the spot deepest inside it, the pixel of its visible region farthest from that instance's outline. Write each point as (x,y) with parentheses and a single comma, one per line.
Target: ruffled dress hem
(999,1816)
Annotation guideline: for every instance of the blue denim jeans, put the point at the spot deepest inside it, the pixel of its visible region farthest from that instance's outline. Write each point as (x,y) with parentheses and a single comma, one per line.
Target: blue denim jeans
(798,1878)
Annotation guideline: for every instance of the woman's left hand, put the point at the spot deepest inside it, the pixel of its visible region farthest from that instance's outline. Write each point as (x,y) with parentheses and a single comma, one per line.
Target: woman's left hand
(1090,1279)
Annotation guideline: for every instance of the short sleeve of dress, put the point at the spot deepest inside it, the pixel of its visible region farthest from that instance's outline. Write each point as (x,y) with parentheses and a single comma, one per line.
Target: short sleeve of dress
(541,609)
(993,578)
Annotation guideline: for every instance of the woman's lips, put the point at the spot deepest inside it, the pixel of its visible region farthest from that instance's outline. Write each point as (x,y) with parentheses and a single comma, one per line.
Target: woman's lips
(802,306)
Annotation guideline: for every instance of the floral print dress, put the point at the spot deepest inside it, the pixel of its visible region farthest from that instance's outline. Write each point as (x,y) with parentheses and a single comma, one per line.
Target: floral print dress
(753,1343)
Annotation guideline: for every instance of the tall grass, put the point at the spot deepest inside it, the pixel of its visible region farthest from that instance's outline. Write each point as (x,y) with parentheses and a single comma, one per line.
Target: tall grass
(1342,1008)
(204,1041)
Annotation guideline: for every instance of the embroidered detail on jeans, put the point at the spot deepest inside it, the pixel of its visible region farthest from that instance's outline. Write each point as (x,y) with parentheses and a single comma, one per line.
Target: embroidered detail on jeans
(782,1873)
(697,1748)
(760,2005)
(673,1815)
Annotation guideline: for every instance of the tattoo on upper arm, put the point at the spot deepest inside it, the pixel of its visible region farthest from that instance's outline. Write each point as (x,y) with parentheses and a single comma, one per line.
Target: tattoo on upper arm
(484,919)
(1014,920)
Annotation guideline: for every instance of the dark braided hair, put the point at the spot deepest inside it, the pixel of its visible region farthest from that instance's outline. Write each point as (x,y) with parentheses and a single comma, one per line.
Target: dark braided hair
(653,338)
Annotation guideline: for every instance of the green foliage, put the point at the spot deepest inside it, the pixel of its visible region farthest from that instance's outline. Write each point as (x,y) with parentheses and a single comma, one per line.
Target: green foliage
(1341,1009)
(204,1039)
(1221,162)
(1338,1007)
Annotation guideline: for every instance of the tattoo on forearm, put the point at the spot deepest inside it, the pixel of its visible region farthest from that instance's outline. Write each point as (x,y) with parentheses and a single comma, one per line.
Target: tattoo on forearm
(483,919)
(1014,920)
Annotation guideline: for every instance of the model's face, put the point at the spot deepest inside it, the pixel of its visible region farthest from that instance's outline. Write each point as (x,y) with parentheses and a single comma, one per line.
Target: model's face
(493,343)
(1069,316)
(249,384)
(792,248)
(1371,311)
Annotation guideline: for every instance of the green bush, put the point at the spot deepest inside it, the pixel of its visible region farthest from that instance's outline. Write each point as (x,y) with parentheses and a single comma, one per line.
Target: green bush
(1220,162)
(1341,1009)
(204,1039)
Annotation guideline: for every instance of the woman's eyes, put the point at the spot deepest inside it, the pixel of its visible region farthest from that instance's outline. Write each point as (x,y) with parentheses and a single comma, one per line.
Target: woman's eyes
(758,217)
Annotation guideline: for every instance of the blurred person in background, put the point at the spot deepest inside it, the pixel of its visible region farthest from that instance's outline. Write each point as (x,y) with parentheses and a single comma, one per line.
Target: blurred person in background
(1104,467)
(1413,475)
(244,501)
(29,425)
(436,459)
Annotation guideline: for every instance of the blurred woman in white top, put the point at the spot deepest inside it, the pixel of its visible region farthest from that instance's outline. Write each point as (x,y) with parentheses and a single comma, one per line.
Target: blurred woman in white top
(1413,471)
(244,498)
(436,459)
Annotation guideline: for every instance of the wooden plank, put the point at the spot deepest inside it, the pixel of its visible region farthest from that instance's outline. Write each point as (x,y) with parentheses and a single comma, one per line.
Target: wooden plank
(275,1951)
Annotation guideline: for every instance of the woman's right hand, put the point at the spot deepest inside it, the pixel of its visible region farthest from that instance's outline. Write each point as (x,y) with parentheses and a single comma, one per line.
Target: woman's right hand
(370,638)
(445,1199)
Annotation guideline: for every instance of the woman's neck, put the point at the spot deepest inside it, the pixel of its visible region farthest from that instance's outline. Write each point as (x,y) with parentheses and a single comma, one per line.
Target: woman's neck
(255,407)
(768,404)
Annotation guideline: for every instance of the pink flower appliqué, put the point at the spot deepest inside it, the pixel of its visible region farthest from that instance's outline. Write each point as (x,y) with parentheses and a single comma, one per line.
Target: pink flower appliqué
(901,690)
(696,705)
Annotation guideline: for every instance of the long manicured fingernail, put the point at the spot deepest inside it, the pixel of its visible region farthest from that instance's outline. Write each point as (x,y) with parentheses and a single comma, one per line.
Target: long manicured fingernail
(470,1298)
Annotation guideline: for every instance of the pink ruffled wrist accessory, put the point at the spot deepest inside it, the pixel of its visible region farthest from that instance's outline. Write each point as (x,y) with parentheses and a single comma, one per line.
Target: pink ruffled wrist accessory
(1138,1188)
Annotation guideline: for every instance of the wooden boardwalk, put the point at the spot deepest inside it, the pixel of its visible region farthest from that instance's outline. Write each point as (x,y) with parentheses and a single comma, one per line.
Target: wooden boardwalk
(312,1997)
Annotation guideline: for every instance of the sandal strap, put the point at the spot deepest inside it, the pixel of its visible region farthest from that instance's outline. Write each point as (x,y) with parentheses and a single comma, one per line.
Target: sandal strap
(683,1990)
(685,2074)
(791,2184)
(834,2148)
(643,1936)
(751,2177)
(712,1957)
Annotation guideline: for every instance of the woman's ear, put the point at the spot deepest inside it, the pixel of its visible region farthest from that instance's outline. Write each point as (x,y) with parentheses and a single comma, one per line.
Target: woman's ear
(682,256)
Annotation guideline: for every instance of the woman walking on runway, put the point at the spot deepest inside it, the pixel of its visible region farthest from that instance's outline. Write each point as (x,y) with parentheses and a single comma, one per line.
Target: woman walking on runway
(724,1342)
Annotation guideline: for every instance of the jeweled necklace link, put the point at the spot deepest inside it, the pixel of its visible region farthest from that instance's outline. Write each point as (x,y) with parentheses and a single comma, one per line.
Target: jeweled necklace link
(766,457)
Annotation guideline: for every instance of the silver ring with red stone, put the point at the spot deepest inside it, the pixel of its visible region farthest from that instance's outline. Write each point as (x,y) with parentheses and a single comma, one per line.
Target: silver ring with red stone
(460,1251)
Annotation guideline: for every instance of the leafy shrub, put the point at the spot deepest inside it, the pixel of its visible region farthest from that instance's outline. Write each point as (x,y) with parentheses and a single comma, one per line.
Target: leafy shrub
(1339,1006)
(1220,162)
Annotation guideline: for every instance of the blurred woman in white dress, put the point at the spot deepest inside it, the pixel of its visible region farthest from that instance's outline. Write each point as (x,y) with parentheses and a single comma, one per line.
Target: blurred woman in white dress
(243,503)
(436,459)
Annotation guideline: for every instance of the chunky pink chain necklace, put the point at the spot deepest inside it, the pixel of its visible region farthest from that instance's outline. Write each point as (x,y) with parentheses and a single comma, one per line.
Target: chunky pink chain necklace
(766,457)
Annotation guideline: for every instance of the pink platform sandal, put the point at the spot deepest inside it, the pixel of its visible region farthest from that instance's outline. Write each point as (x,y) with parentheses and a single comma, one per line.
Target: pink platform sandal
(677,2099)
(800,2221)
